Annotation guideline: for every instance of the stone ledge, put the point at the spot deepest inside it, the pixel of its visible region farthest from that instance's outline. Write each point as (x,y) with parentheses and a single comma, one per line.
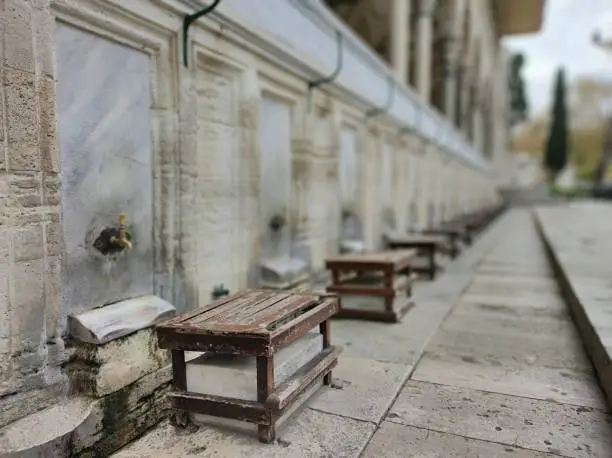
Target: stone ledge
(101,325)
(98,370)
(585,307)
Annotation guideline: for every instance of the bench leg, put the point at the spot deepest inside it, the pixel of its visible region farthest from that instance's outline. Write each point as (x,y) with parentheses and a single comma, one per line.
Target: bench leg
(388,282)
(454,248)
(265,387)
(432,263)
(325,329)
(266,433)
(179,418)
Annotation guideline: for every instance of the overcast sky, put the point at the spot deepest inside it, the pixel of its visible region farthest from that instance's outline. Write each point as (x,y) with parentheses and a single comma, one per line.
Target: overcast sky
(565,40)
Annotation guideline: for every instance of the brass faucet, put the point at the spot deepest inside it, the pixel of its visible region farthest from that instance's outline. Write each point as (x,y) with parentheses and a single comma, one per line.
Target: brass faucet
(121,241)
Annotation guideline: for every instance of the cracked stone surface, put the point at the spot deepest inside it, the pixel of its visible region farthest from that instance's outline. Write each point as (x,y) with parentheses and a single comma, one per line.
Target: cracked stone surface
(422,442)
(363,389)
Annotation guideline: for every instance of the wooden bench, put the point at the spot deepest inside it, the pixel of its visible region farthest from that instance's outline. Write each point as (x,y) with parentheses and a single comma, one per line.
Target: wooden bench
(252,323)
(426,245)
(386,276)
(453,233)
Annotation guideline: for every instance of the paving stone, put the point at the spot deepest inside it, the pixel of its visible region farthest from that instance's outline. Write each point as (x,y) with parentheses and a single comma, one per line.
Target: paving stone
(310,434)
(516,310)
(518,299)
(506,376)
(511,326)
(521,280)
(393,440)
(362,389)
(519,350)
(544,426)
(516,269)
(401,343)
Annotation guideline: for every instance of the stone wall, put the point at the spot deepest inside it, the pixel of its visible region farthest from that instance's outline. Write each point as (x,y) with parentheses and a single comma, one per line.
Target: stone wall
(31,348)
(200,210)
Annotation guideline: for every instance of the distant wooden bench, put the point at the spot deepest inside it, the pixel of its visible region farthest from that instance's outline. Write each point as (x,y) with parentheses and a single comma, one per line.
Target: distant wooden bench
(453,233)
(255,323)
(385,275)
(425,244)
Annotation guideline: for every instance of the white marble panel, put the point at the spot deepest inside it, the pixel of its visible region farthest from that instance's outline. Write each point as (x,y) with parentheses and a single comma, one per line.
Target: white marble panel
(275,160)
(103,104)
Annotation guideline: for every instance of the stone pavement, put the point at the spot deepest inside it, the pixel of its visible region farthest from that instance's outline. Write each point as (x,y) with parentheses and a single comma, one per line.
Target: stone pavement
(488,364)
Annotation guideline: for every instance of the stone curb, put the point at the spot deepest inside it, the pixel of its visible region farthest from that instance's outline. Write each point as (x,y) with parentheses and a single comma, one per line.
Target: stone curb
(590,338)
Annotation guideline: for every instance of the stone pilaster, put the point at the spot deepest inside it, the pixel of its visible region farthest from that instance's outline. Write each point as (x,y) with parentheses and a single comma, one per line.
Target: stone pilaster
(250,171)
(315,146)
(372,224)
(425,184)
(31,347)
(401,195)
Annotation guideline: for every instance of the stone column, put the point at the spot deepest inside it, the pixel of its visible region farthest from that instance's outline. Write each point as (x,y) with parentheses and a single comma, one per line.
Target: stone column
(453,59)
(424,48)
(399,25)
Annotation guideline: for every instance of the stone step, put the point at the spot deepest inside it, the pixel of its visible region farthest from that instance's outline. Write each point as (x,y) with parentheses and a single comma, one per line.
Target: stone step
(47,433)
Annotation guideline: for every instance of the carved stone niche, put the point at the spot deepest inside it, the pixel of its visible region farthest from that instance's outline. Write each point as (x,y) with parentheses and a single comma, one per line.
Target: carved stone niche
(351,232)
(286,273)
(388,219)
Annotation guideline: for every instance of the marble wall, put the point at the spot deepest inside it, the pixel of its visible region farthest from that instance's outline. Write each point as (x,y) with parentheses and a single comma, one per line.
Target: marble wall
(103,108)
(275,173)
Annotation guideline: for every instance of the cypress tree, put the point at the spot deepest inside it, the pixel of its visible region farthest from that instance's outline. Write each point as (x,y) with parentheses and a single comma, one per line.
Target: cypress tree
(556,155)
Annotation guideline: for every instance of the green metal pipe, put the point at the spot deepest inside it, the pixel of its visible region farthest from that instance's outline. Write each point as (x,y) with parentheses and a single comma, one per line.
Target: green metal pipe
(190,19)
(331,78)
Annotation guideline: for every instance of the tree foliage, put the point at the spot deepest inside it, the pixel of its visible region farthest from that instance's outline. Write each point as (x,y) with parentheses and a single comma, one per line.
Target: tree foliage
(557,146)
(519,107)
(587,123)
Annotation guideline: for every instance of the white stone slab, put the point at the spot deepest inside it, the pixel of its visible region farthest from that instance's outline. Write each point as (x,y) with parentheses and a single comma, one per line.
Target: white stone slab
(237,377)
(362,389)
(368,303)
(392,440)
(117,320)
(565,430)
(284,268)
(352,246)
(310,434)
(251,428)
(491,373)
